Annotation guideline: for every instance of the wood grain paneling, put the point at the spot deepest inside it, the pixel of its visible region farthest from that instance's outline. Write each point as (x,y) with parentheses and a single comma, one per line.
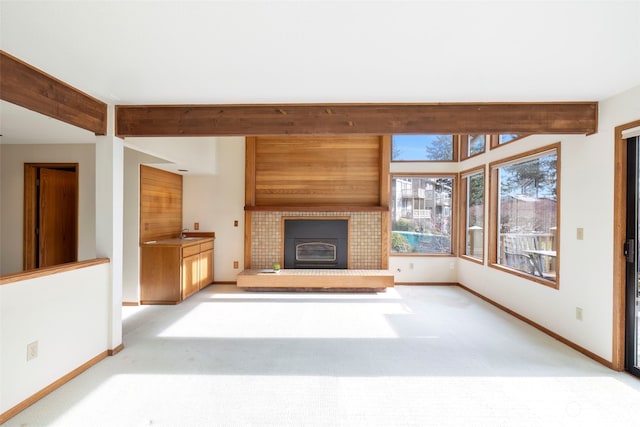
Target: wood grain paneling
(311,171)
(28,87)
(160,204)
(385,177)
(361,119)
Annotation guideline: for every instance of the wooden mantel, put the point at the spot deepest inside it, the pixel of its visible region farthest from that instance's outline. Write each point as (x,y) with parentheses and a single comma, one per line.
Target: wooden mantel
(317,208)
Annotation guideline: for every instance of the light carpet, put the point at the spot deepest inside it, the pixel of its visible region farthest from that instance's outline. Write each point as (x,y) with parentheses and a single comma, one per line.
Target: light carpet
(410,356)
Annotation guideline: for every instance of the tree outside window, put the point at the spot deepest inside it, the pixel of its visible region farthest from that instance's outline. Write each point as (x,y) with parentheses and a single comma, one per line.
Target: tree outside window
(475,144)
(422,148)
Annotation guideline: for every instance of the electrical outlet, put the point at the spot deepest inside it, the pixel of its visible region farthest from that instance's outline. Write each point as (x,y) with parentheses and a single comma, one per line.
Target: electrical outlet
(32,350)
(580,233)
(235,264)
(196,226)
(578,313)
(235,223)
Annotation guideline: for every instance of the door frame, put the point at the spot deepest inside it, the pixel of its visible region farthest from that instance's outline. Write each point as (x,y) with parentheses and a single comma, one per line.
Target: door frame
(619,238)
(30,216)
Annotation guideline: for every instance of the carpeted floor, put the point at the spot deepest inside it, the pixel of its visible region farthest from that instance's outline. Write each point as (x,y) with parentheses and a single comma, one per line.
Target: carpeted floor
(412,356)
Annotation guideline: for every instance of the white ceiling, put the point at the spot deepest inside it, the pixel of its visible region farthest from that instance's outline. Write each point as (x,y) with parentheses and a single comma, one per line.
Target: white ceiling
(160,52)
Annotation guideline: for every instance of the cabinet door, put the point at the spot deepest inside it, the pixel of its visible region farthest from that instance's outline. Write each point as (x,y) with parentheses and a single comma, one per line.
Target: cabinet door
(160,272)
(206,268)
(190,275)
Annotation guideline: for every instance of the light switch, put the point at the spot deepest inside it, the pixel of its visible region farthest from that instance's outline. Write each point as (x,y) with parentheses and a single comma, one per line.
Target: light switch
(580,233)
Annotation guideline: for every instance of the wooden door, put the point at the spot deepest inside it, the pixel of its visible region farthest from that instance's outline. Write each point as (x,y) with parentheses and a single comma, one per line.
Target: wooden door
(57,223)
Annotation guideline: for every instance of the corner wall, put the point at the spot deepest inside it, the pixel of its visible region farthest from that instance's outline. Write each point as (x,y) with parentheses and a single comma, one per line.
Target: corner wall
(586,266)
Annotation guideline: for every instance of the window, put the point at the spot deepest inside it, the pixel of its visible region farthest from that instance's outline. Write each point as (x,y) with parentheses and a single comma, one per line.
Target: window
(505,138)
(524,210)
(472,240)
(472,145)
(421,214)
(423,148)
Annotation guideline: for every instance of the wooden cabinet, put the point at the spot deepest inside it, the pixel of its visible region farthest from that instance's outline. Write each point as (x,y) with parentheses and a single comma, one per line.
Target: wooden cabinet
(172,270)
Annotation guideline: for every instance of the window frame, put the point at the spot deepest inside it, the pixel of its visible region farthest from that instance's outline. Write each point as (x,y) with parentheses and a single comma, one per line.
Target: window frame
(464,146)
(463,180)
(454,207)
(493,211)
(455,154)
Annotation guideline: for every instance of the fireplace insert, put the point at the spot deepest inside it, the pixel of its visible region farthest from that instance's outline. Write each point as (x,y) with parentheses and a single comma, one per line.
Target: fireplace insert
(316,243)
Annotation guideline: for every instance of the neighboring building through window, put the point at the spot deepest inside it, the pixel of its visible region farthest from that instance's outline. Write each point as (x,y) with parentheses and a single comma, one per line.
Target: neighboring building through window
(421,148)
(421,214)
(526,192)
(473,213)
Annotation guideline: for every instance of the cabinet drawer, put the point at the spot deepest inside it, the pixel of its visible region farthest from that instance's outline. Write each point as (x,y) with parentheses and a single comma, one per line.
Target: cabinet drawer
(190,250)
(206,246)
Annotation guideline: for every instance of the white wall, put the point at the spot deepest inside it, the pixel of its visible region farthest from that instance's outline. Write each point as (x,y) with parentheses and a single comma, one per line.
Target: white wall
(13,158)
(586,266)
(216,201)
(67,313)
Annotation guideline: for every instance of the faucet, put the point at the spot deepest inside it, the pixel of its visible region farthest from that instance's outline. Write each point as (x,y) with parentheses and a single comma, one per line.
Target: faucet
(182,234)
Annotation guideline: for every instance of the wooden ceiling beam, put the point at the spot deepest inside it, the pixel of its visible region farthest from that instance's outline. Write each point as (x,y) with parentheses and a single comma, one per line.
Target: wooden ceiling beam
(33,89)
(364,119)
